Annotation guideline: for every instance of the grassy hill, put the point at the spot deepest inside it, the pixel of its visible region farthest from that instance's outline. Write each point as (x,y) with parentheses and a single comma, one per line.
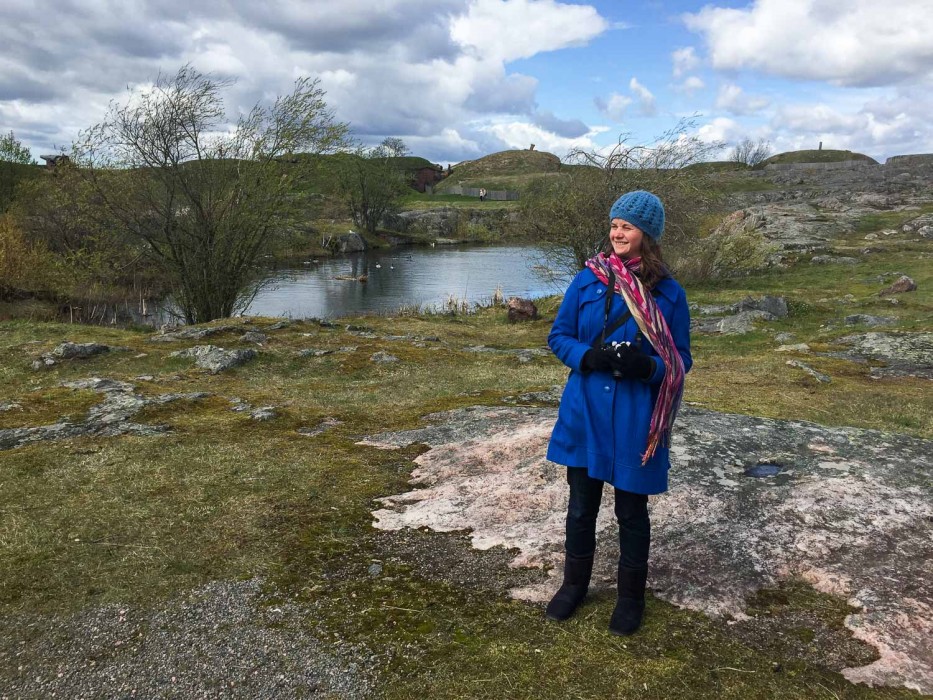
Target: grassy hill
(505,170)
(816,156)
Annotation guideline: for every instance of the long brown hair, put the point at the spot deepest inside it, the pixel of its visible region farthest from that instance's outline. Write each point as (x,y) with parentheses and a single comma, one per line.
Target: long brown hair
(653,269)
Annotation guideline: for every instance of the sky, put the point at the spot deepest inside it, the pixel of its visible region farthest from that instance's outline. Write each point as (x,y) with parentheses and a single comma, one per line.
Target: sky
(459,79)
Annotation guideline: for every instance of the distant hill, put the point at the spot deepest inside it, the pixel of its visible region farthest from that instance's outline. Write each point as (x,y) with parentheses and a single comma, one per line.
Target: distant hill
(815,156)
(716,166)
(505,170)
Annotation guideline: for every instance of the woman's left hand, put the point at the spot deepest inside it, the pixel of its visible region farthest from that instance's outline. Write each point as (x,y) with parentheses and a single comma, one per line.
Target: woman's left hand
(633,363)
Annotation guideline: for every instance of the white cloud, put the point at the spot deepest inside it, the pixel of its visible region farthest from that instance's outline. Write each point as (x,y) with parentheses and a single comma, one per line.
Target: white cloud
(881,127)
(614,107)
(691,85)
(646,101)
(504,30)
(684,60)
(719,129)
(518,134)
(848,42)
(734,100)
(424,70)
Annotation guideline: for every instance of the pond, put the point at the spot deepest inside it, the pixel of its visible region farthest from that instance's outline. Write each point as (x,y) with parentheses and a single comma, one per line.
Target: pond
(423,277)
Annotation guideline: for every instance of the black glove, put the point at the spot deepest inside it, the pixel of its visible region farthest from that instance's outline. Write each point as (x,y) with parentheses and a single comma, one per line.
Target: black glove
(600,360)
(633,363)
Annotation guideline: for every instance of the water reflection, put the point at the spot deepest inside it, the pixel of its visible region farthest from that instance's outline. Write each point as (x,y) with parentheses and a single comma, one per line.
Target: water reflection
(403,277)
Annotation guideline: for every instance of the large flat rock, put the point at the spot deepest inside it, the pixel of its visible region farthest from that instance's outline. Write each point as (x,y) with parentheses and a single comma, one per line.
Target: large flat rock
(849,511)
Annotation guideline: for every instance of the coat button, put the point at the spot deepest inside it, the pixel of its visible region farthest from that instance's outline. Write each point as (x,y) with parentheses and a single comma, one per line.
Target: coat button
(606,388)
(599,291)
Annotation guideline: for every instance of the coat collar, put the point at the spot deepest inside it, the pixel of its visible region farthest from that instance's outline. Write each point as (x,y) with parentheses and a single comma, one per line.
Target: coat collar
(668,287)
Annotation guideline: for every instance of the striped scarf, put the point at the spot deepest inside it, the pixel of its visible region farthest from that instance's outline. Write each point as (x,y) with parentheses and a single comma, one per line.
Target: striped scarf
(653,326)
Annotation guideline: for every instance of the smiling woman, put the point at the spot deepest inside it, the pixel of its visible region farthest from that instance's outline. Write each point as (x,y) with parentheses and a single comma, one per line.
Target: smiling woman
(621,398)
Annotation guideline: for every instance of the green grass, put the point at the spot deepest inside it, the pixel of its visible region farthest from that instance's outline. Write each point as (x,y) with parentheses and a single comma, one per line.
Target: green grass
(827,155)
(136,519)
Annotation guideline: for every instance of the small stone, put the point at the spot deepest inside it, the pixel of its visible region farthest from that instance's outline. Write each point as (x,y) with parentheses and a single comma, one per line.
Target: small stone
(871,237)
(869,320)
(279,326)
(799,347)
(743,322)
(254,337)
(315,352)
(374,569)
(784,337)
(819,376)
(383,357)
(263,413)
(320,428)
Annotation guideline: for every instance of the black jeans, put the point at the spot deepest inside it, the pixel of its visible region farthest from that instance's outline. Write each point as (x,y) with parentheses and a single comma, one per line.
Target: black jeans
(631,512)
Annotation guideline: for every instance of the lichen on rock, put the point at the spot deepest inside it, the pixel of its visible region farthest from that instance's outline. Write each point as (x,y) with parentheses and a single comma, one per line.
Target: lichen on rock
(848,510)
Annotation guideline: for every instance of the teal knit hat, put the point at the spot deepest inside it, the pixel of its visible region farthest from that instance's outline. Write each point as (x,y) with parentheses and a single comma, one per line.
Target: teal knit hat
(642,209)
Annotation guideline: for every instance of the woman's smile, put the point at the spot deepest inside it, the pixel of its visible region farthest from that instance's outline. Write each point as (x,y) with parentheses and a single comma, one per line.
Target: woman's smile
(625,238)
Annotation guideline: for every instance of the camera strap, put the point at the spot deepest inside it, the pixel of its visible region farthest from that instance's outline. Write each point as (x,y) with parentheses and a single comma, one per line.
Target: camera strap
(619,322)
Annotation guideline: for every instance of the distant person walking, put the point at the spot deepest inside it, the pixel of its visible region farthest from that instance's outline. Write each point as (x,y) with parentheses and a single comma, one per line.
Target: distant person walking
(623,329)
(482,194)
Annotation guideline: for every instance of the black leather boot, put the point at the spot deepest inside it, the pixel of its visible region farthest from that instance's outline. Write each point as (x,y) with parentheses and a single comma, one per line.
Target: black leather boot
(630,605)
(577,572)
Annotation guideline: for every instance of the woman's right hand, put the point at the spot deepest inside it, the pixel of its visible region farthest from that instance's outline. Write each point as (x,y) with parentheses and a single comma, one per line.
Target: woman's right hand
(600,360)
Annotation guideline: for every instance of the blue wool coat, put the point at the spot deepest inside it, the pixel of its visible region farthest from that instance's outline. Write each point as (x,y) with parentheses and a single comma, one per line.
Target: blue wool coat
(602,423)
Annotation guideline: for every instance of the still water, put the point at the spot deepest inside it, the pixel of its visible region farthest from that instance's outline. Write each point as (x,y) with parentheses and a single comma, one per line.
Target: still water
(403,277)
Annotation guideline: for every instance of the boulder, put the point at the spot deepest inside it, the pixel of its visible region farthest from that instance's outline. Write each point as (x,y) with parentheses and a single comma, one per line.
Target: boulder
(776,306)
(743,322)
(254,337)
(522,310)
(901,285)
(78,351)
(351,242)
(215,359)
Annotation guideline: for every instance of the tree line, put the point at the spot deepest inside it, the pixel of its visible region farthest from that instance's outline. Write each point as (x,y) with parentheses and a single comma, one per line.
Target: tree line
(164,196)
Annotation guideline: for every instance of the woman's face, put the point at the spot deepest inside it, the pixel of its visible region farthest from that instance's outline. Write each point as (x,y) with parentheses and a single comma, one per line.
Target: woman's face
(625,238)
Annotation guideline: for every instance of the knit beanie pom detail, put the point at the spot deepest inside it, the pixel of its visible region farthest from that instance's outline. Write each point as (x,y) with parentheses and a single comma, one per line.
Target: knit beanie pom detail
(641,209)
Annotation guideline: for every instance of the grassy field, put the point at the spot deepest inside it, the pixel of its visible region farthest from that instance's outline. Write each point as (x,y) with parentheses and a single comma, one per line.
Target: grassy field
(91,521)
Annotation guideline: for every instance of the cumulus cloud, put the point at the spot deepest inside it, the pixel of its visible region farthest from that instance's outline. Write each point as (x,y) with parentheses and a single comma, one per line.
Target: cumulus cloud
(856,42)
(425,70)
(719,129)
(567,128)
(734,100)
(614,107)
(691,84)
(508,30)
(881,127)
(684,60)
(519,134)
(646,101)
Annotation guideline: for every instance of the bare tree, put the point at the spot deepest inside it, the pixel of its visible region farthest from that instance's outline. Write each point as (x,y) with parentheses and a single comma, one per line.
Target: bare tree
(570,213)
(205,197)
(750,153)
(394,147)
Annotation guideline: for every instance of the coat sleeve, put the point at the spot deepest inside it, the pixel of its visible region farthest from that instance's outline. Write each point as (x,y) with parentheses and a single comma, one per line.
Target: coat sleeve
(679,323)
(563,339)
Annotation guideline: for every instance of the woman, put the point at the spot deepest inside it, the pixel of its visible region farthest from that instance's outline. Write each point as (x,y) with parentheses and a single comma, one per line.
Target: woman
(619,405)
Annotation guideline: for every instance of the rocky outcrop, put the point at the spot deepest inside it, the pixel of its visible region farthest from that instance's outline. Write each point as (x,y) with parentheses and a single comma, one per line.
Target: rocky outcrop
(215,359)
(453,222)
(902,354)
(109,418)
(752,502)
(73,351)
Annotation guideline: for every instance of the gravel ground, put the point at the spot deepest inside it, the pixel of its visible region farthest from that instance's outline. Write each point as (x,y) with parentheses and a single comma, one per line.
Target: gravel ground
(223,640)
